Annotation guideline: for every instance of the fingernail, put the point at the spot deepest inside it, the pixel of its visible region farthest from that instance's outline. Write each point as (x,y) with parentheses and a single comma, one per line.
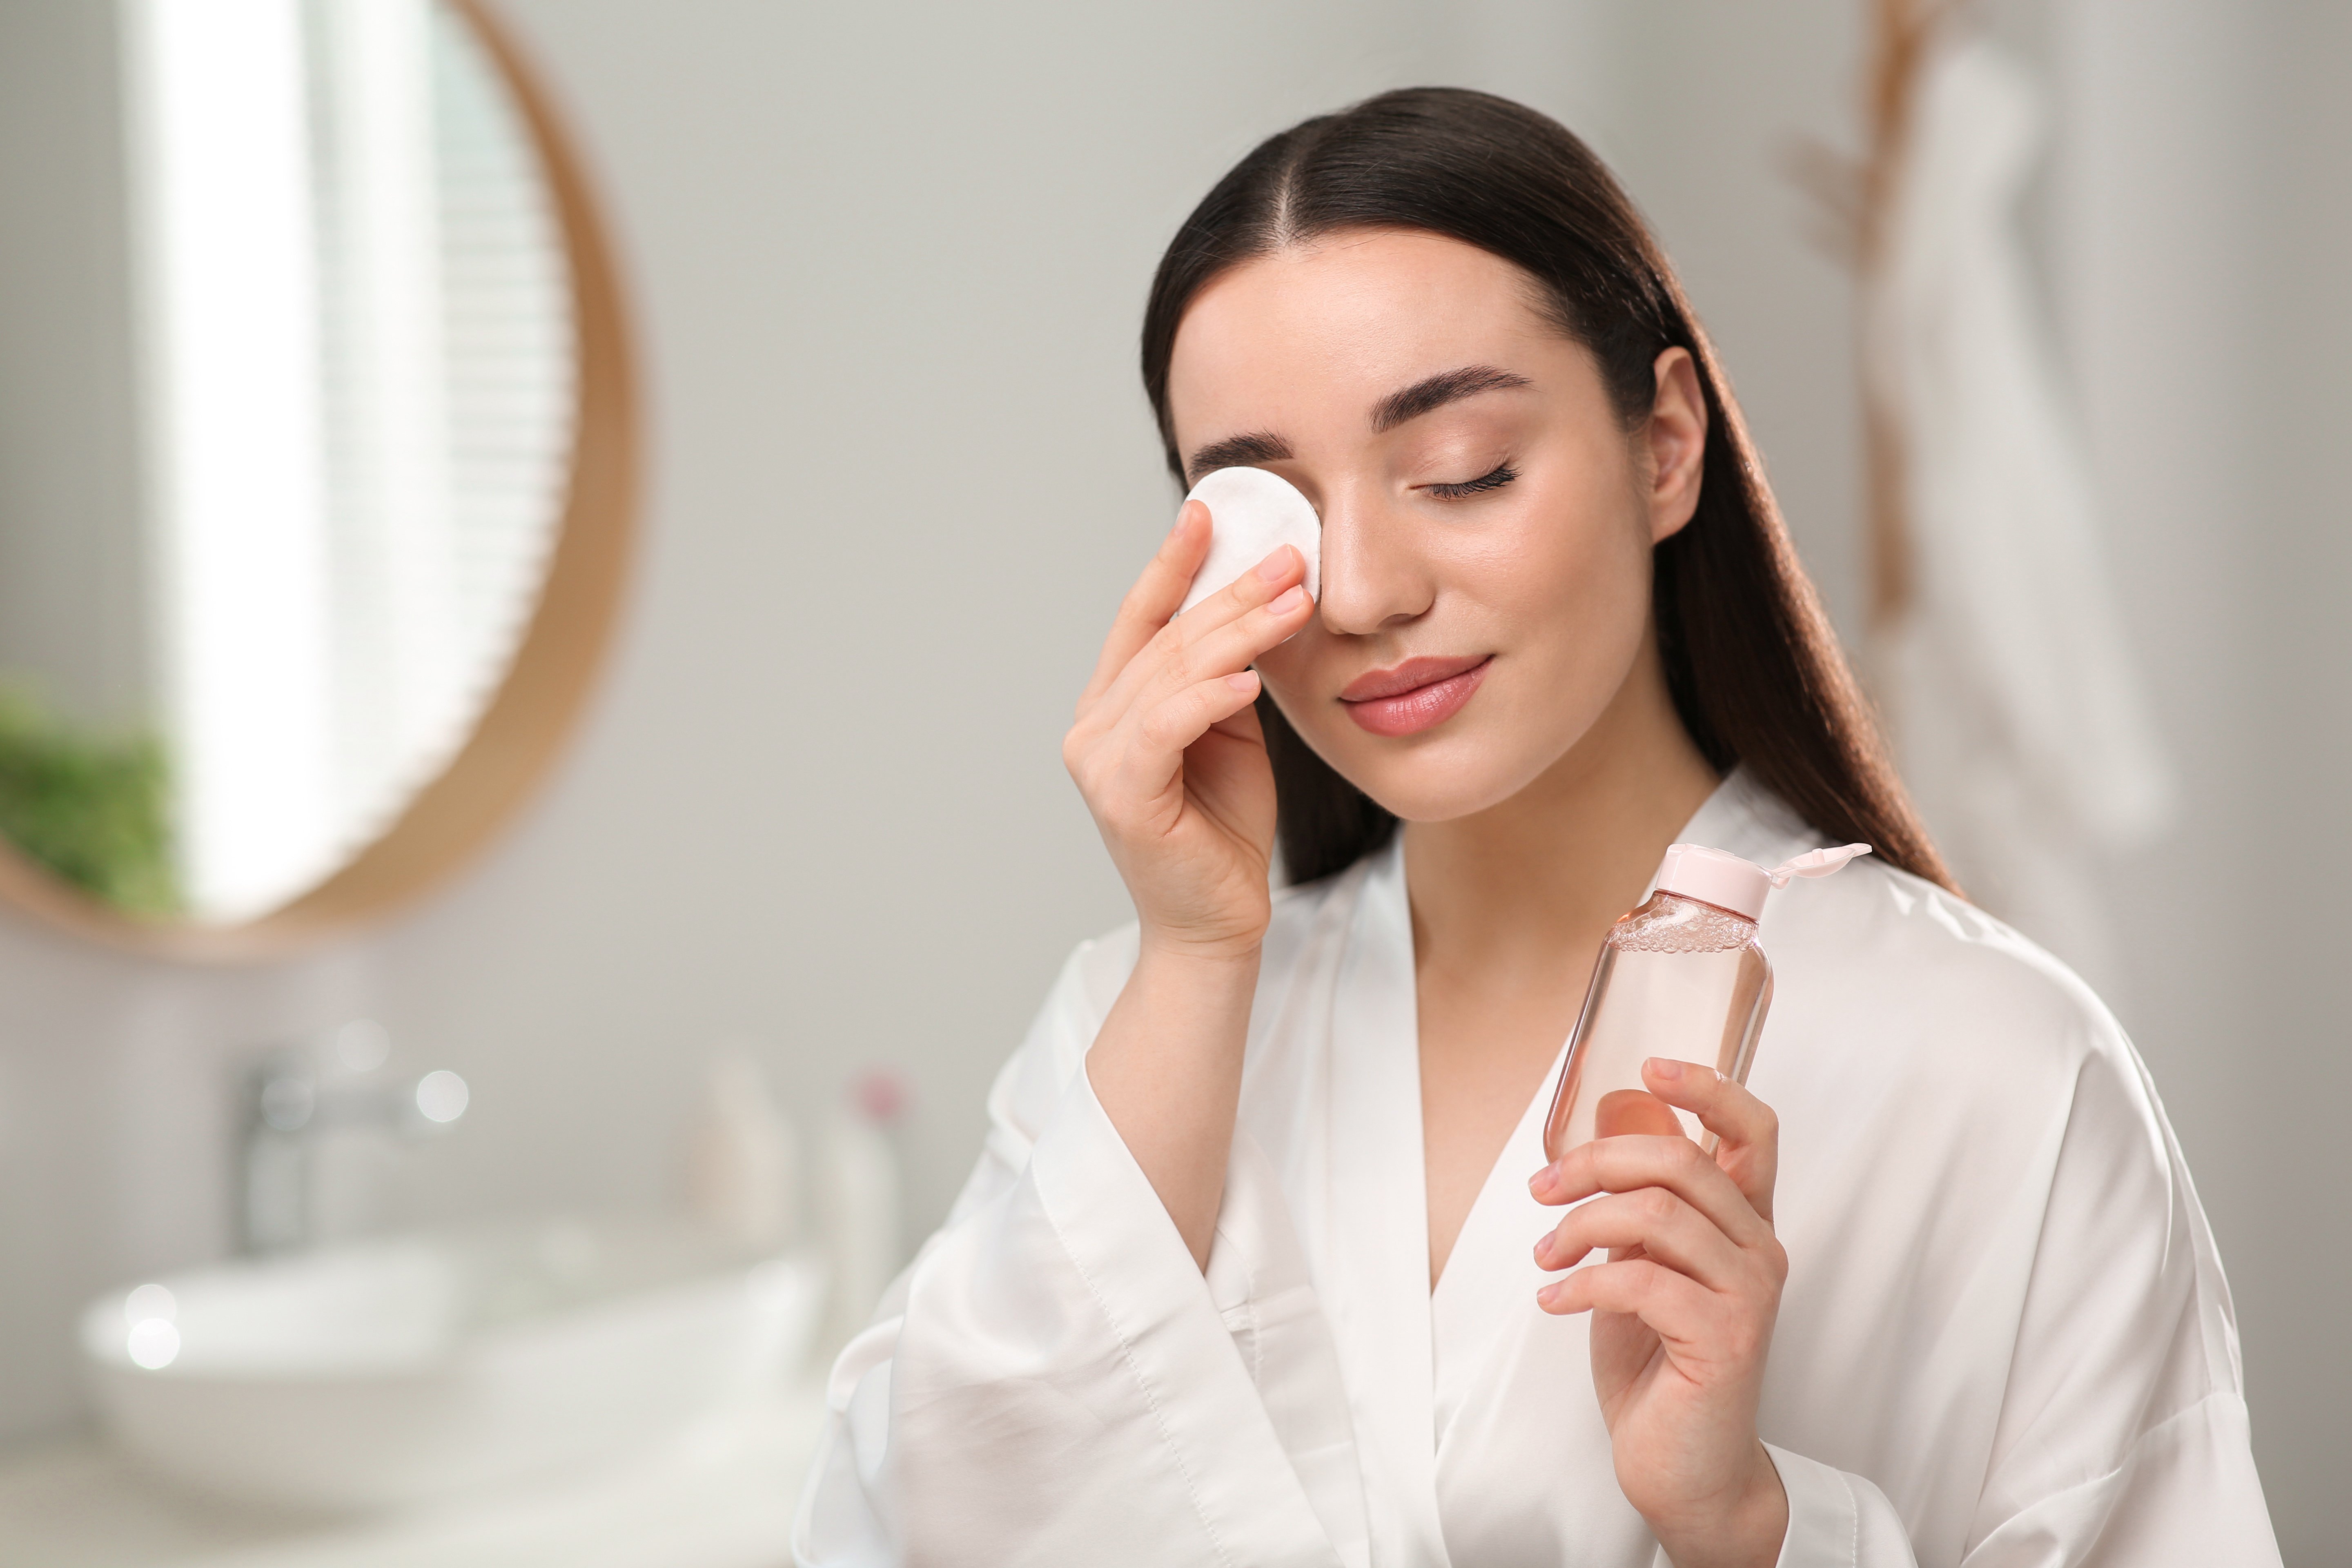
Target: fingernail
(1543,1253)
(1666,1068)
(1274,565)
(1245,681)
(1541,1181)
(1546,1296)
(1296,599)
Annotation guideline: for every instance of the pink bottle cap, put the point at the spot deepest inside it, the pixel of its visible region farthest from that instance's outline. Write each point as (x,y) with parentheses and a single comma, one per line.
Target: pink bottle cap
(1719,877)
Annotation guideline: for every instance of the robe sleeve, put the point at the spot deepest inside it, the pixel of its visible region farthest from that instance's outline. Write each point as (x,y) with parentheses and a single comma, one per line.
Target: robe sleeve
(1836,1519)
(2122,1440)
(2122,1437)
(1054,1380)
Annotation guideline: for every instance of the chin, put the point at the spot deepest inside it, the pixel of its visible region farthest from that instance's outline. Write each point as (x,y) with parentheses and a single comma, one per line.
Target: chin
(1439,775)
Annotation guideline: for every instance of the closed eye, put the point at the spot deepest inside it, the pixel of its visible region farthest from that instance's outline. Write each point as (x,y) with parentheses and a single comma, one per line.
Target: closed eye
(1501,474)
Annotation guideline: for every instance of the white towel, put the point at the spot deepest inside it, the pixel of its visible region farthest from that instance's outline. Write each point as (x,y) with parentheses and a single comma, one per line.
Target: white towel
(2016,710)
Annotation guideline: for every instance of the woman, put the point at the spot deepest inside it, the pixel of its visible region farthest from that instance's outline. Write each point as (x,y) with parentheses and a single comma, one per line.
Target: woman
(1245,1273)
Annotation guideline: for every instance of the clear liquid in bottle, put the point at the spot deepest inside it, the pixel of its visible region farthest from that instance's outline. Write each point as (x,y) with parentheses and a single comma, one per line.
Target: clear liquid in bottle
(1682,977)
(1677,978)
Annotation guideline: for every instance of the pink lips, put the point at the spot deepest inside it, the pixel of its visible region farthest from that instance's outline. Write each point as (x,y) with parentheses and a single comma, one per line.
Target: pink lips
(1417,695)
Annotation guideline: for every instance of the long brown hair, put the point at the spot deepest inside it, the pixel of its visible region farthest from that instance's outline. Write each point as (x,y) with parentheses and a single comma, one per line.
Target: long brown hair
(1755,671)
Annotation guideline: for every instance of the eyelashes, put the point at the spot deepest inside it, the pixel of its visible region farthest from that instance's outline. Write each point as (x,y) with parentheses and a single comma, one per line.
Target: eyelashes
(1500,475)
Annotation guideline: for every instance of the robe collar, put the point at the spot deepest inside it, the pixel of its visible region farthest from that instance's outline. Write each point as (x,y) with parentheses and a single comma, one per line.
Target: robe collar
(1389,1326)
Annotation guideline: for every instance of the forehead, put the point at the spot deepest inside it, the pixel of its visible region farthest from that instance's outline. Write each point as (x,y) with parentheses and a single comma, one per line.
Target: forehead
(1334,325)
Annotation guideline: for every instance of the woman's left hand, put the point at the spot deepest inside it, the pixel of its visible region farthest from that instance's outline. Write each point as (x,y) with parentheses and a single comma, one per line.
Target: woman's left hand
(1682,1313)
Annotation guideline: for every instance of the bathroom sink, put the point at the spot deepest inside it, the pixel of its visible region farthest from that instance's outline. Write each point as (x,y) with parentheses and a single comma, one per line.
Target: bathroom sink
(406,1369)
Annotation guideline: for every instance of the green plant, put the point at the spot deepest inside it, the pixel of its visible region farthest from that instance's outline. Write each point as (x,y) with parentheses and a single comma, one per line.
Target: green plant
(94,809)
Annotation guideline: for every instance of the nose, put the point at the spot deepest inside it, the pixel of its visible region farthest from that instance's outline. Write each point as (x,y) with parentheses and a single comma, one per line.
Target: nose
(1372,575)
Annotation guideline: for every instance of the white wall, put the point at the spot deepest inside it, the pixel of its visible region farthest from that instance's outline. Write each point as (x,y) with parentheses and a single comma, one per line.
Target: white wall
(887,264)
(2203,220)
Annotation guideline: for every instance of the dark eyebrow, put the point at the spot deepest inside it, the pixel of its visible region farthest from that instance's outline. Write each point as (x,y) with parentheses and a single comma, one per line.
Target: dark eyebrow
(1237,452)
(1437,391)
(1430,392)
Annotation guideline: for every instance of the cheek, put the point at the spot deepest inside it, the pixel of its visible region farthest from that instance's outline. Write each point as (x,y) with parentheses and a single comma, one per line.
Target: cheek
(1578,605)
(1558,586)
(1568,578)
(1566,591)
(1304,677)
(1290,672)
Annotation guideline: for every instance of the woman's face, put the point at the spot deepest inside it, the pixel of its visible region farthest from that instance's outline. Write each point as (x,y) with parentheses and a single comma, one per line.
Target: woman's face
(1487,520)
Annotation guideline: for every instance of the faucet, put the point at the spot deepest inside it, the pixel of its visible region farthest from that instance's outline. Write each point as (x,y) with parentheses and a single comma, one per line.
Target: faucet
(292,1094)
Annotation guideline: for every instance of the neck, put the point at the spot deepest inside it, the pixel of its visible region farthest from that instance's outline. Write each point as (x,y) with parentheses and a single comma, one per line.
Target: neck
(1549,869)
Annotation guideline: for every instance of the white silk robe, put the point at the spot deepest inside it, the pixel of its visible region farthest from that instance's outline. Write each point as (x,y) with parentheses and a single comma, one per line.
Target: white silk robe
(2005,1338)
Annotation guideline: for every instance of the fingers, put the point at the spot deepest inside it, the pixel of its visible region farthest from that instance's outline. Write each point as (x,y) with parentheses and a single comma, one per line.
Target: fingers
(1700,1328)
(1177,723)
(1220,636)
(1675,1306)
(1722,1105)
(1283,566)
(1705,1334)
(1660,1224)
(1163,685)
(1628,1163)
(1160,733)
(1146,611)
(1749,1152)
(1155,595)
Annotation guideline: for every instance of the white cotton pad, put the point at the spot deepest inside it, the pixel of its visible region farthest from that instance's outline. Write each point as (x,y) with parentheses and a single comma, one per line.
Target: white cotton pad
(1252,512)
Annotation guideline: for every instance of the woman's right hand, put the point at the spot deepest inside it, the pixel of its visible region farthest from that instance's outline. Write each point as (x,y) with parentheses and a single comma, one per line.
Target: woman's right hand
(1167,749)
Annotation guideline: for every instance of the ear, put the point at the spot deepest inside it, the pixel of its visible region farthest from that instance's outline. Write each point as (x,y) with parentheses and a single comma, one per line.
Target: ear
(1673,441)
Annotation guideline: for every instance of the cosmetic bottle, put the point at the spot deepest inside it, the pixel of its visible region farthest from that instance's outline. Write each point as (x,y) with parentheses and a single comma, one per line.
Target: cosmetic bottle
(1682,977)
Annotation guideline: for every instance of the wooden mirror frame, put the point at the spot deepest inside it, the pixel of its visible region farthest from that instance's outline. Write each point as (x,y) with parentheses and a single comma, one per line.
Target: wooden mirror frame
(523,727)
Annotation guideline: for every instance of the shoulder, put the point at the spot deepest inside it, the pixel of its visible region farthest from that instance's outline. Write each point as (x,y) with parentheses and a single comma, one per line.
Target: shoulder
(1990,1223)
(1926,958)
(1916,1038)
(1880,963)
(1973,1075)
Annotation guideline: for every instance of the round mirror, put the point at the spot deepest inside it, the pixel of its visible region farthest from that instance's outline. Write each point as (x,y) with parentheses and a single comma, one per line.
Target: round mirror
(301,584)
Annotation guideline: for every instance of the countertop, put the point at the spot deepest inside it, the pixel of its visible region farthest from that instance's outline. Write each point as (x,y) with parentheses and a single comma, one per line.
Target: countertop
(722,1498)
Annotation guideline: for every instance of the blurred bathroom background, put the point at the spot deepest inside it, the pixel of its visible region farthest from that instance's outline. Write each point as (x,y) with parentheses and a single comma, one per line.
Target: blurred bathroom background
(790,886)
